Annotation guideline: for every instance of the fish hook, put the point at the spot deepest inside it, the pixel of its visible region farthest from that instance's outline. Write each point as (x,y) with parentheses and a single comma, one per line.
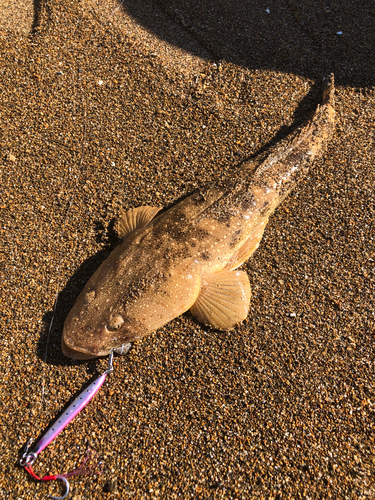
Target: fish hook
(67,488)
(55,477)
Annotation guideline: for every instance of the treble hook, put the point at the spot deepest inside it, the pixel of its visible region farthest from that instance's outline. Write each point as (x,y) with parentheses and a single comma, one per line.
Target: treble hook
(67,488)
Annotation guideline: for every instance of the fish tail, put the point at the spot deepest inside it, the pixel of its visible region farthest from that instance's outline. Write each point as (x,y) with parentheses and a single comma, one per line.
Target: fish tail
(329,89)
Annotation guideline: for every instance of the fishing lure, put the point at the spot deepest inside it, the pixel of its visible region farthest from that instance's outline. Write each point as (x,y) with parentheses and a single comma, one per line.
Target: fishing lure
(29,457)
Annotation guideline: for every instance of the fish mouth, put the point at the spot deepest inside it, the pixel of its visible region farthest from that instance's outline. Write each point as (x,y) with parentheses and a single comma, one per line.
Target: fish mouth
(71,353)
(81,354)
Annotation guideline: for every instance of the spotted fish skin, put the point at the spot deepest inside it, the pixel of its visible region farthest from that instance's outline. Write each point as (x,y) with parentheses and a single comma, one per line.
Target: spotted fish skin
(187,257)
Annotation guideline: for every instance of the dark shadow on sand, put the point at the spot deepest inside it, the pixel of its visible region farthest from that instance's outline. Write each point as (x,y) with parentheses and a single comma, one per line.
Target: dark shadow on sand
(41,10)
(311,39)
(66,299)
(308,38)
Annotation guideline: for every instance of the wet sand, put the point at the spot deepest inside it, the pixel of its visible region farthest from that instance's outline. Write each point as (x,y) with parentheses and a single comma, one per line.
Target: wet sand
(101,112)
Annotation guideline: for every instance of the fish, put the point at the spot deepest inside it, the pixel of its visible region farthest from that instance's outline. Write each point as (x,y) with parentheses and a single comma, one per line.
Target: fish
(187,257)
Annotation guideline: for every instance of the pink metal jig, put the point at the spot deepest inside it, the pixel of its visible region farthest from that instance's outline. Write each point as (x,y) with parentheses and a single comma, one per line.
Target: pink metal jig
(28,458)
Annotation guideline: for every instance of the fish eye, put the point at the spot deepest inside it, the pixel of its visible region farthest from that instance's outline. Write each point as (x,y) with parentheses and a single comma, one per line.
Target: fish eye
(116,322)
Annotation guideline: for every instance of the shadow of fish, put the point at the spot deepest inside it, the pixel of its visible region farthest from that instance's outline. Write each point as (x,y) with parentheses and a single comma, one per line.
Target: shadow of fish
(187,257)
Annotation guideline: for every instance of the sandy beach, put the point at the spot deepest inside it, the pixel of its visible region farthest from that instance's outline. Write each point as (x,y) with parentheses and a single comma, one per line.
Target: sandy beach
(107,106)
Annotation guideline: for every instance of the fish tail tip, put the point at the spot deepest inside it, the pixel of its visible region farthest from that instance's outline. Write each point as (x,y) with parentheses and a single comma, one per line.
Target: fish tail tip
(329,88)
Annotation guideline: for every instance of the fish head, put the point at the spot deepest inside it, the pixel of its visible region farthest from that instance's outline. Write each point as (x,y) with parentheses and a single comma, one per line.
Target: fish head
(98,321)
(117,307)
(94,327)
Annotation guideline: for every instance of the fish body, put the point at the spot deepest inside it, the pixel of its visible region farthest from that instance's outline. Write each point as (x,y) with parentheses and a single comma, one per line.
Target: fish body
(187,257)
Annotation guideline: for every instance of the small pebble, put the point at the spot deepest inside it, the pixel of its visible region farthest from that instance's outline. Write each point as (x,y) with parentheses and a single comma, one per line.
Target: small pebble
(11,157)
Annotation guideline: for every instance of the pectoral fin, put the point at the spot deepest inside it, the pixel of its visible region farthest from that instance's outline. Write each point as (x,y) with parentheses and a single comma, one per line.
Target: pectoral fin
(223,300)
(135,219)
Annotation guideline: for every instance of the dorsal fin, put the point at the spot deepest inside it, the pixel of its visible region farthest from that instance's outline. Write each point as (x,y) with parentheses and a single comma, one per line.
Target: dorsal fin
(135,219)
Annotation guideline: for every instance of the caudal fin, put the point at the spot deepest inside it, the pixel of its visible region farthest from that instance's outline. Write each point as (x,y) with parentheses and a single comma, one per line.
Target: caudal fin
(329,89)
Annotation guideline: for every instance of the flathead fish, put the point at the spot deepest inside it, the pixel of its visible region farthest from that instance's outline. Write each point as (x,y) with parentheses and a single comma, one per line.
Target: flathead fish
(187,257)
